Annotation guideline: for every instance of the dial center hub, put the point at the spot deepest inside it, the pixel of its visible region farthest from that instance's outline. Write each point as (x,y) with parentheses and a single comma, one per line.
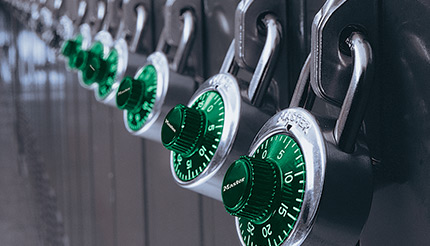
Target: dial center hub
(182,129)
(269,203)
(249,188)
(193,134)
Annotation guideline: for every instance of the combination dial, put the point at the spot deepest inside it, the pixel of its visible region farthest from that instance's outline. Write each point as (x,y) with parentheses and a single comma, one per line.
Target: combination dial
(70,50)
(207,133)
(137,96)
(193,134)
(266,191)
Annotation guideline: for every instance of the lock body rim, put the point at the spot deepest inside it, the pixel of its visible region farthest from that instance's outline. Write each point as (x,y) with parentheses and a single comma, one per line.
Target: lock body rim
(314,152)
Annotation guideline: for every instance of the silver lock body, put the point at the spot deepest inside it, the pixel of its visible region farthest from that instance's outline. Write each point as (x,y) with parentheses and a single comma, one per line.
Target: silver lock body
(338,190)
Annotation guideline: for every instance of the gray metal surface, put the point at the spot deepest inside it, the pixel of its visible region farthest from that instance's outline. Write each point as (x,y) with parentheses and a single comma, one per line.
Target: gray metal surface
(398,127)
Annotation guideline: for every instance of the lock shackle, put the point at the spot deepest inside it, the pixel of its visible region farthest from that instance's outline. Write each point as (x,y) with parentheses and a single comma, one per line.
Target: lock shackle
(101,14)
(303,95)
(187,37)
(82,12)
(263,72)
(141,18)
(229,64)
(354,105)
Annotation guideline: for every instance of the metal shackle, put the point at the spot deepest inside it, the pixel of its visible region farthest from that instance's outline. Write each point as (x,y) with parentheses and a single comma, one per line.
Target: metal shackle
(141,18)
(354,105)
(140,14)
(263,72)
(185,43)
(82,12)
(265,67)
(113,17)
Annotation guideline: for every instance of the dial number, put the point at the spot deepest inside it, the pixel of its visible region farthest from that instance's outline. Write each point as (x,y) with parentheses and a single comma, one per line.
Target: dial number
(285,152)
(212,105)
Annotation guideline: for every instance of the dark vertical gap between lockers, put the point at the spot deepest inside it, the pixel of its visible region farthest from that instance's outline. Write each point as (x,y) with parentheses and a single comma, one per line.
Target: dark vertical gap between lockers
(145,196)
(67,148)
(58,121)
(79,207)
(75,191)
(64,154)
(113,180)
(84,166)
(91,171)
(298,45)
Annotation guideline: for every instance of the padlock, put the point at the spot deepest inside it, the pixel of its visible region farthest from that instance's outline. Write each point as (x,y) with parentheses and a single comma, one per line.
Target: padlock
(218,122)
(108,72)
(307,180)
(158,85)
(89,62)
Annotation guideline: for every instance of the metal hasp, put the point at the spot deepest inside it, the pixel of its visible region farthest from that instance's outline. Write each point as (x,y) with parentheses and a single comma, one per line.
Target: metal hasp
(332,68)
(321,188)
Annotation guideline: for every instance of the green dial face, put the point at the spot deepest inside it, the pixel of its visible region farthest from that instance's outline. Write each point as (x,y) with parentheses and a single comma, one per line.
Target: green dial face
(71,48)
(193,134)
(137,96)
(88,61)
(107,74)
(267,208)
